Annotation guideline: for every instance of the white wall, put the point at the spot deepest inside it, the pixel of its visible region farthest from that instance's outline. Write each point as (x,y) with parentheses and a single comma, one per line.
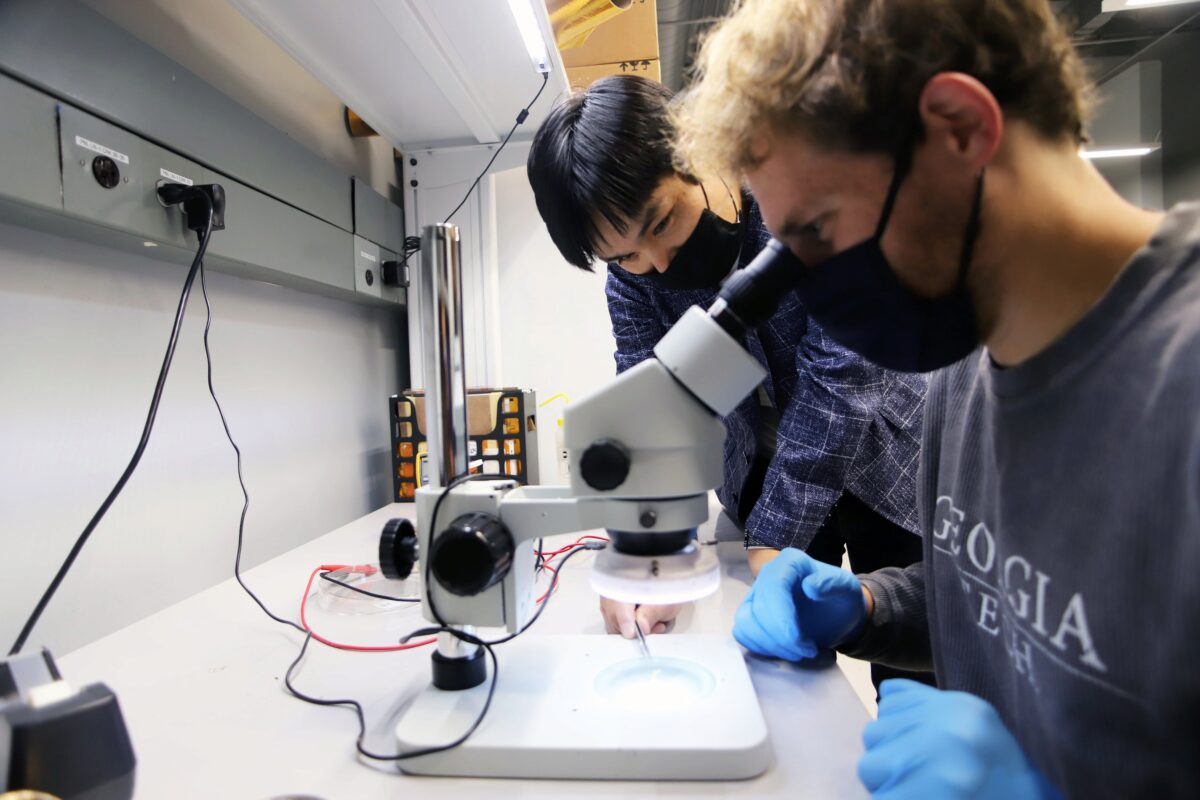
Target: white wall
(556,335)
(303,380)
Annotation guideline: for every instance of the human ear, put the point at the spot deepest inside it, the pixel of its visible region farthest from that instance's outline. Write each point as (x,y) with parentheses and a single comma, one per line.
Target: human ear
(961,119)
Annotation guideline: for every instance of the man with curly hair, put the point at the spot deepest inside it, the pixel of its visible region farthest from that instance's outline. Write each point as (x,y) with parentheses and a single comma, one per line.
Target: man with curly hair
(921,161)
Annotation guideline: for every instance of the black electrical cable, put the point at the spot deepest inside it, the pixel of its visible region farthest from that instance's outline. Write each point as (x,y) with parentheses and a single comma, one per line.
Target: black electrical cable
(445,626)
(441,627)
(197,262)
(325,576)
(553,585)
(358,709)
(521,117)
(437,506)
(237,560)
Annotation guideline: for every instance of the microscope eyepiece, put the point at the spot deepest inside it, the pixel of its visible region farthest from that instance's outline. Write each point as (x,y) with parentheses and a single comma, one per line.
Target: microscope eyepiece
(751,295)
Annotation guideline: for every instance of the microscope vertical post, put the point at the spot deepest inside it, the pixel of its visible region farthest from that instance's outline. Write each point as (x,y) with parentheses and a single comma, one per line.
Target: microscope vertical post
(445,387)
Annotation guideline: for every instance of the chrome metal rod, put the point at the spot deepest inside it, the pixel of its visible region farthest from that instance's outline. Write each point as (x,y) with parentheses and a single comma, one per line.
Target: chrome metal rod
(451,646)
(445,374)
(444,360)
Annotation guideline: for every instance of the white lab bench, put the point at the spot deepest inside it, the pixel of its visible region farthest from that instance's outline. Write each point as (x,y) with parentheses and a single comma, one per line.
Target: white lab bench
(201,687)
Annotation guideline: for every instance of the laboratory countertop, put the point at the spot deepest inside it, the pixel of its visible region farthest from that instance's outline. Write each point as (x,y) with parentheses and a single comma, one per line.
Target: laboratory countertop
(201,687)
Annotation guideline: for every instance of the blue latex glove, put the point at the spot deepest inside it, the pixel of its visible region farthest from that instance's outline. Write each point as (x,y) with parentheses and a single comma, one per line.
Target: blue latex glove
(797,606)
(930,743)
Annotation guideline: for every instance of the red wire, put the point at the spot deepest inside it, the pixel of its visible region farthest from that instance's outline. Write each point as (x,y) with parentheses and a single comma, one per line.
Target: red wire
(338,645)
(574,544)
(368,569)
(552,582)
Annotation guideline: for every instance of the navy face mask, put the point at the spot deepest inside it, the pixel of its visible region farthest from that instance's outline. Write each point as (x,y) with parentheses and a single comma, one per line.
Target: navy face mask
(857,299)
(708,255)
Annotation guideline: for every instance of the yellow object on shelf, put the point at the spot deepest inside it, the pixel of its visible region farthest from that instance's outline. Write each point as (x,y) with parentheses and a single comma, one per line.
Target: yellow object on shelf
(631,35)
(575,20)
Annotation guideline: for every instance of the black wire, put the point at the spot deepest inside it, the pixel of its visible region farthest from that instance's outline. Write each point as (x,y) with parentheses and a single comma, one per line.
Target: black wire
(326,577)
(520,118)
(441,627)
(553,585)
(412,244)
(429,586)
(237,560)
(358,709)
(36,614)
(437,506)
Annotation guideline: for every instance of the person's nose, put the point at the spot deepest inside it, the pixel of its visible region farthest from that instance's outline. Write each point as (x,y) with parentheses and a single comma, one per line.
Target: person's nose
(661,258)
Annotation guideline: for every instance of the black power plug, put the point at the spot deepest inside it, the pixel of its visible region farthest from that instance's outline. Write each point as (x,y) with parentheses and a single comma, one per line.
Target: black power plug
(196,200)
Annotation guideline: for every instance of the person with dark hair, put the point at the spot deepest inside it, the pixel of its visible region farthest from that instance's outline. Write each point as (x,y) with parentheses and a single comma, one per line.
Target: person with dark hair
(824,457)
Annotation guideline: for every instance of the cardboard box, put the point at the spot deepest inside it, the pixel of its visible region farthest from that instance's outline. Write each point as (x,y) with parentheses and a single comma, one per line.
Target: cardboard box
(581,78)
(631,35)
(481,412)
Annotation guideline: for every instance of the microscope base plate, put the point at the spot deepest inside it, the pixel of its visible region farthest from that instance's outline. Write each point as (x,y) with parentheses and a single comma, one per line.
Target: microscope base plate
(592,707)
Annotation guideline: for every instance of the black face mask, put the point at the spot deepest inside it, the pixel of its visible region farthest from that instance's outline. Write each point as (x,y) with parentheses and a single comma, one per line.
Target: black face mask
(708,255)
(858,300)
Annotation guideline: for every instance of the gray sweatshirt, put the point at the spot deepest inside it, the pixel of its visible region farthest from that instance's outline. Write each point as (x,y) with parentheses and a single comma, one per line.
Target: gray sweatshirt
(1060,504)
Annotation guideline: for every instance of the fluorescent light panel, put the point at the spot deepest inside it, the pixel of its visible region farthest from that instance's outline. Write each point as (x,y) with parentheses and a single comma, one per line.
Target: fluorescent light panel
(1109,6)
(1118,152)
(523,13)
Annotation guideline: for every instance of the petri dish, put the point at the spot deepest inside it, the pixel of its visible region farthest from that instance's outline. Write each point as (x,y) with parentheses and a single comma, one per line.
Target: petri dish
(655,683)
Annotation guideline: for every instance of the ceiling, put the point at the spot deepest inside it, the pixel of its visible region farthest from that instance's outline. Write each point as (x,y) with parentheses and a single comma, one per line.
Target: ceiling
(1104,39)
(681,23)
(1109,41)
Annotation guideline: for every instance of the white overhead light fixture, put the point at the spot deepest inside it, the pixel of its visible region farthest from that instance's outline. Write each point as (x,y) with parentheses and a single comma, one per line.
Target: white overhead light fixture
(1118,152)
(527,23)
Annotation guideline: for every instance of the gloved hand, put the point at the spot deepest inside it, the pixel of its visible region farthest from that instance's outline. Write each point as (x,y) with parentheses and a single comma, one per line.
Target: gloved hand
(797,606)
(932,743)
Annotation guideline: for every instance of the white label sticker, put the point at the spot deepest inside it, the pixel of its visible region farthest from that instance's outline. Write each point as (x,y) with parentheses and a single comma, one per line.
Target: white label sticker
(88,144)
(171,176)
(368,256)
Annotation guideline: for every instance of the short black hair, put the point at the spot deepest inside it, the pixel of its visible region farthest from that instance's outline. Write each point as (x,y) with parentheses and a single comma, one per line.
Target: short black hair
(600,154)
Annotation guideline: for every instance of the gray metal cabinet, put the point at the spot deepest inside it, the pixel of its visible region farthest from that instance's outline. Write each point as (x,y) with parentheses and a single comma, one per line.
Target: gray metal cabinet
(28,146)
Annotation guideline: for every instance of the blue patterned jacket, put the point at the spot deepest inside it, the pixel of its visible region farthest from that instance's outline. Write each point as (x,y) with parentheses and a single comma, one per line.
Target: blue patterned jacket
(844,422)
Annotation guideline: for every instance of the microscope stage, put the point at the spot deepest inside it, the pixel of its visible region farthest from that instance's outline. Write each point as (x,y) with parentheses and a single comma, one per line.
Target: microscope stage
(593,707)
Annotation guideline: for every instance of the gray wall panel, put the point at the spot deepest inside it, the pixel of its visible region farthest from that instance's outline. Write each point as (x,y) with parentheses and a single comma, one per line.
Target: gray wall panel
(29,164)
(263,232)
(132,205)
(77,54)
(377,218)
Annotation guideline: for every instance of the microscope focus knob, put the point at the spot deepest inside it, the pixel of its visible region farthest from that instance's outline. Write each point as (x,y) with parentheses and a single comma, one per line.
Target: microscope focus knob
(605,464)
(471,555)
(397,549)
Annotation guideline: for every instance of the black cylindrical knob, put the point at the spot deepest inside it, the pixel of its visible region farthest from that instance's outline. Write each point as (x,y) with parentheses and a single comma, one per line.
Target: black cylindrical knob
(474,553)
(605,464)
(397,549)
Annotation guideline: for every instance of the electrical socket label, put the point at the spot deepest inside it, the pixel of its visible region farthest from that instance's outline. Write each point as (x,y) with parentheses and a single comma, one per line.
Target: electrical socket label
(174,178)
(368,256)
(88,144)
